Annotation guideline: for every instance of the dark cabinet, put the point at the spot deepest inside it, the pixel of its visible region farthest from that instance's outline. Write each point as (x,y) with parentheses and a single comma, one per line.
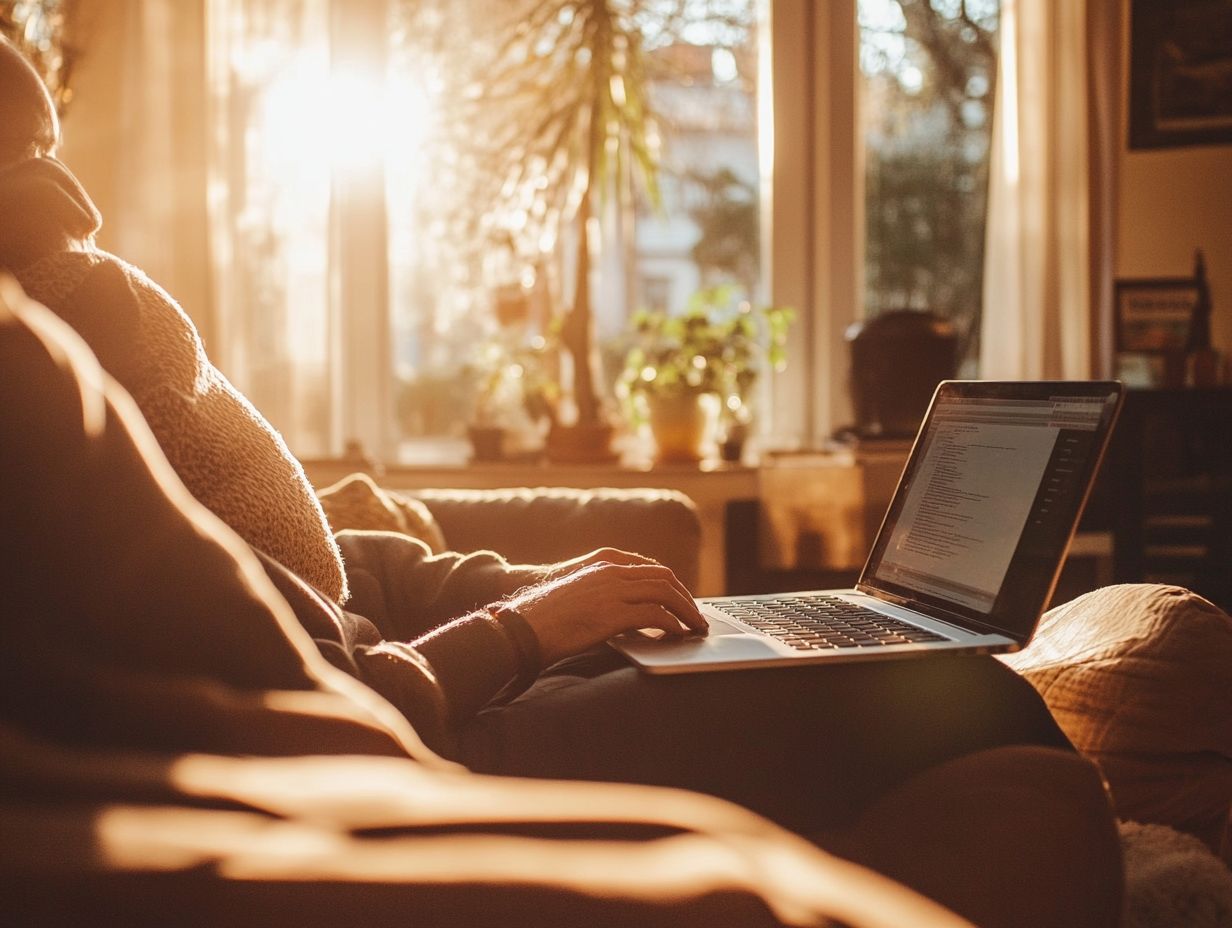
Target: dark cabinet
(1165,491)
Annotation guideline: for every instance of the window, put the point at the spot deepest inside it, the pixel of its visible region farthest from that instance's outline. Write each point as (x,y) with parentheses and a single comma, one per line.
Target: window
(388,245)
(927,71)
(673,197)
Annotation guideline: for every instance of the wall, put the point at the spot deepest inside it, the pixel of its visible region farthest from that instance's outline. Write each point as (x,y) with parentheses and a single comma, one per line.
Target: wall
(1171,202)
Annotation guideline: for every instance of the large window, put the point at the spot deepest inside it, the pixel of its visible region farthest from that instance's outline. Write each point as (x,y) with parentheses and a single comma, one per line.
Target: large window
(399,185)
(485,258)
(927,69)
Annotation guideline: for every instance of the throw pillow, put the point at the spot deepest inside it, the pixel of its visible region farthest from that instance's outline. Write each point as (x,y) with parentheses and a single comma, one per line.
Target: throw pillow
(1138,677)
(356,502)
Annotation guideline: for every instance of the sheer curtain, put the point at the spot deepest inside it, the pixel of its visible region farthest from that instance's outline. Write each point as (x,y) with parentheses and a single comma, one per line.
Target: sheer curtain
(135,136)
(1047,257)
(297,219)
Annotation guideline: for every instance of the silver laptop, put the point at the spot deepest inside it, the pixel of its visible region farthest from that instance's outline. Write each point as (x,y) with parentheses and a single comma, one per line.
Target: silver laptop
(968,553)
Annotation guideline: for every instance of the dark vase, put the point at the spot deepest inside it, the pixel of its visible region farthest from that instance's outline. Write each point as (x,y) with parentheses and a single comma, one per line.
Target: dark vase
(731,448)
(487,442)
(897,359)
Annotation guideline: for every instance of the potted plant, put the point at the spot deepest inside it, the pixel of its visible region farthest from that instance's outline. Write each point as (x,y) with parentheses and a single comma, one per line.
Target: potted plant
(691,376)
(512,396)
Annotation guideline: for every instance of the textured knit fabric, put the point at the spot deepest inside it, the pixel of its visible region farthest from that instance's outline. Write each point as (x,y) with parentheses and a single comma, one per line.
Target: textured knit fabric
(1138,677)
(356,502)
(420,635)
(121,590)
(226,453)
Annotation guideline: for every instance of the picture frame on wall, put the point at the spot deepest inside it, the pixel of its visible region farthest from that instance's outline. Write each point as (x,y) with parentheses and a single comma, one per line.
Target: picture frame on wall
(1154,315)
(1153,320)
(1180,73)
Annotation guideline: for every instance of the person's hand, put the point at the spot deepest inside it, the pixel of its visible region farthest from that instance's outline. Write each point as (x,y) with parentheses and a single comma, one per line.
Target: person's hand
(604,598)
(598,556)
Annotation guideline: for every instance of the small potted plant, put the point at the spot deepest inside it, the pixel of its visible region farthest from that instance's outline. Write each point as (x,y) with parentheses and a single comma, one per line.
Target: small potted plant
(691,376)
(512,394)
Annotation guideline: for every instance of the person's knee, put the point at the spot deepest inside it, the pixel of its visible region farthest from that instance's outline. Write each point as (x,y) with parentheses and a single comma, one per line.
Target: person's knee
(1017,835)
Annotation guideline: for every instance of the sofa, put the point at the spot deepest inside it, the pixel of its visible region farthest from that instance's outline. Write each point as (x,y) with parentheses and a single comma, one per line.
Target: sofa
(176,751)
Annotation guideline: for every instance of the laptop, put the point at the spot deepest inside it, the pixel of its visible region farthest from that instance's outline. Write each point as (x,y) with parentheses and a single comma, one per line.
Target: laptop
(968,553)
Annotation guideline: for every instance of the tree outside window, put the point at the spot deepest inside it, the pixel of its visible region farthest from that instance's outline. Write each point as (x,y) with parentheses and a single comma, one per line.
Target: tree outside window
(929,68)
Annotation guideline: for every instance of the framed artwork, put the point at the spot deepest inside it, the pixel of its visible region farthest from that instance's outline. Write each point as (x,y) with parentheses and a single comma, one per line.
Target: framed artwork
(1180,73)
(1154,316)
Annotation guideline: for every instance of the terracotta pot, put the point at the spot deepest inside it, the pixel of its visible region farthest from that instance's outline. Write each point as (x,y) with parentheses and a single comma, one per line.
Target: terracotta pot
(683,425)
(487,442)
(583,443)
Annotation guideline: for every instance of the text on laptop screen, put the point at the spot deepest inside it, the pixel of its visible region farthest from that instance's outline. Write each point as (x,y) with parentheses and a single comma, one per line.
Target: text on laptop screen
(994,478)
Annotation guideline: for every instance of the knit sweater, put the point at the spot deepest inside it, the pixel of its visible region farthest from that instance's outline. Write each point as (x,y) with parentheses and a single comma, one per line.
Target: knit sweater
(222,448)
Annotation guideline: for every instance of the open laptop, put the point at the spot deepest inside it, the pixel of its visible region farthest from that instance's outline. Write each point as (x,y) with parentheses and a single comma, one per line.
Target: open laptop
(968,553)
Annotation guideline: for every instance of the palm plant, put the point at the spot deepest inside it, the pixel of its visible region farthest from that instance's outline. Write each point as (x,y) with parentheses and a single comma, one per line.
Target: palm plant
(557,121)
(549,105)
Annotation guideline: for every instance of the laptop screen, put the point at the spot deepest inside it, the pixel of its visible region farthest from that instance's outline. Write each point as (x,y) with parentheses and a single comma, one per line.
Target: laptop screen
(988,502)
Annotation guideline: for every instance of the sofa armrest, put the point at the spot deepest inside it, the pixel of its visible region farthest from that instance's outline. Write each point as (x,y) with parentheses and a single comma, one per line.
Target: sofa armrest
(545,524)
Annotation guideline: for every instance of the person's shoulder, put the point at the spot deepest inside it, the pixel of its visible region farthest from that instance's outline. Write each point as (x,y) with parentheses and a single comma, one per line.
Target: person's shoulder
(139,332)
(161,316)
(53,278)
(143,286)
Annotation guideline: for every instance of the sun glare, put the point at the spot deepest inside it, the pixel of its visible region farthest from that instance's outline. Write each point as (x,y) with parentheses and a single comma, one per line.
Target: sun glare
(351,120)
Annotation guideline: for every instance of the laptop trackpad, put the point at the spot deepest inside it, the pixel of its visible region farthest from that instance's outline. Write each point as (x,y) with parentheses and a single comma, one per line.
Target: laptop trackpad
(726,644)
(718,627)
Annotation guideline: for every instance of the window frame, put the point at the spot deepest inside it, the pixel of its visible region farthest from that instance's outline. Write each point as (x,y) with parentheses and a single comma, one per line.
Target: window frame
(812,165)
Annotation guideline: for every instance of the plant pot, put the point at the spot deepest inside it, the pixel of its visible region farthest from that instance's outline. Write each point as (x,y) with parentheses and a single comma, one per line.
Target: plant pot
(683,425)
(731,448)
(487,442)
(582,443)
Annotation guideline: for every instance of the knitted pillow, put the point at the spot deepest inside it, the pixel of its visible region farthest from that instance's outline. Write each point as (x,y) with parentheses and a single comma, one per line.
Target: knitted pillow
(355,502)
(1140,678)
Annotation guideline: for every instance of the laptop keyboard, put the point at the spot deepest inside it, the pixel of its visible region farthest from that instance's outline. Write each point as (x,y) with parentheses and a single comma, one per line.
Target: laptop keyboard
(817,622)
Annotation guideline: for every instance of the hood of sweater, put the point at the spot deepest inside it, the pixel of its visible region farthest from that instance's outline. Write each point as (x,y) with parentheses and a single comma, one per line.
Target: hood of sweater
(43,208)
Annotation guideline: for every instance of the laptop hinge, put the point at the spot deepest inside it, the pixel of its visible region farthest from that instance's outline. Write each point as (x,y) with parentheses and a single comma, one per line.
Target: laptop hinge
(886,596)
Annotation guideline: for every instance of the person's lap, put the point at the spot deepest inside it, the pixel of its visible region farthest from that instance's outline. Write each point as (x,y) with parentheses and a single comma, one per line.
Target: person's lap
(808,747)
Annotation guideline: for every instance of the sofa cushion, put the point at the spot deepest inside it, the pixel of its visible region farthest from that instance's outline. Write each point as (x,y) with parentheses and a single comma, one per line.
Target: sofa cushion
(1138,677)
(658,523)
(356,502)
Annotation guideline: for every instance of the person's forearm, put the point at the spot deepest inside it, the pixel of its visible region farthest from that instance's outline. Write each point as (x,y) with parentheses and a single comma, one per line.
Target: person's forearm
(441,680)
(437,680)
(406,591)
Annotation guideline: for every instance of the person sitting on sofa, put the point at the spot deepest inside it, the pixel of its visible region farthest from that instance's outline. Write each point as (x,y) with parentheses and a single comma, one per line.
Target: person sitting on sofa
(497,666)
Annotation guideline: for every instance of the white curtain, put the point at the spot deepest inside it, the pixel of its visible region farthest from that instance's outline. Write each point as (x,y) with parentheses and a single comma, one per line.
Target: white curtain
(1037,318)
(134,135)
(269,209)
(297,220)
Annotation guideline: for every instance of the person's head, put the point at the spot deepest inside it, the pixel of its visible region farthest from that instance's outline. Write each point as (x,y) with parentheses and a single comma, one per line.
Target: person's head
(29,127)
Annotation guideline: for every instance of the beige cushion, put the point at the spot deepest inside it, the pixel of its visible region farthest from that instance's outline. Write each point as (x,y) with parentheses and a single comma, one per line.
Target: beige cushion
(355,502)
(1140,678)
